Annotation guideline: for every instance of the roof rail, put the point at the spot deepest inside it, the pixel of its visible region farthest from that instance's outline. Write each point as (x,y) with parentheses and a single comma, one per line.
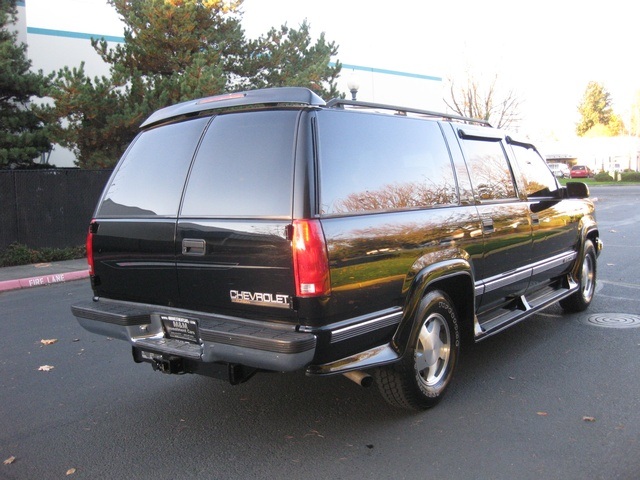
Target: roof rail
(266,96)
(341,103)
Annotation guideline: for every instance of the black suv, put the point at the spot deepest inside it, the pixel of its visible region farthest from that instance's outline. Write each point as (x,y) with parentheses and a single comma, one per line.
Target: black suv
(271,231)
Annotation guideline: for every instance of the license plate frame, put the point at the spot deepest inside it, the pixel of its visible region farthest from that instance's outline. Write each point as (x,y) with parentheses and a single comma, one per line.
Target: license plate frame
(180,328)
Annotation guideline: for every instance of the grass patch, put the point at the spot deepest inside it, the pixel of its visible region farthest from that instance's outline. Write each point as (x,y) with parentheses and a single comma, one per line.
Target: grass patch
(592,182)
(18,254)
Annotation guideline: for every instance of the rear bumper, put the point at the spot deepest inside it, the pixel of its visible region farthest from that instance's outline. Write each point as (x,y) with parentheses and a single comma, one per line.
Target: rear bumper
(221,339)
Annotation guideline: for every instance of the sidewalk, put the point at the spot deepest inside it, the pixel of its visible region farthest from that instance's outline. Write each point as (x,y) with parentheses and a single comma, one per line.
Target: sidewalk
(41,274)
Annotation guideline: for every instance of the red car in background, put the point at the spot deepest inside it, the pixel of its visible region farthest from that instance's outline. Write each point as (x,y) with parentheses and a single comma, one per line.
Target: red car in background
(580,171)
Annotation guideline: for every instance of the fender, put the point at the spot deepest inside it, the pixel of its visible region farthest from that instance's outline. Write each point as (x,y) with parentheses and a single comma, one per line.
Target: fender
(432,274)
(588,230)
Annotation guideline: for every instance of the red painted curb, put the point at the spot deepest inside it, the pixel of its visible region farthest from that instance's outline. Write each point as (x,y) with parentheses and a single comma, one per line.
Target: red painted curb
(43,280)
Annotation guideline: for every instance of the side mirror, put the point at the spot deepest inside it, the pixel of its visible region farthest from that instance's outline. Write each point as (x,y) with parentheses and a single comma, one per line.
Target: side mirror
(577,190)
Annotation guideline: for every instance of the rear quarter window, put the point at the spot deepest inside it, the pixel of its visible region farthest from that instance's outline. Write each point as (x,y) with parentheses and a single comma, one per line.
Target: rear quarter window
(370,162)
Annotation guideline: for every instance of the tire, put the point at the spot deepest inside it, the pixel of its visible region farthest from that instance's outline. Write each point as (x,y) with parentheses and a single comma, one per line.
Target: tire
(580,300)
(419,380)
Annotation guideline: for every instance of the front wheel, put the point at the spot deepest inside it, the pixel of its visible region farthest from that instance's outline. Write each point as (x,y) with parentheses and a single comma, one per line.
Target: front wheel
(421,378)
(580,300)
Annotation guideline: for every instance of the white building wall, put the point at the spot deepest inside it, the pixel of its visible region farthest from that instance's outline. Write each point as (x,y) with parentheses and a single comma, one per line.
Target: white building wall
(52,50)
(21,24)
(55,41)
(609,154)
(403,89)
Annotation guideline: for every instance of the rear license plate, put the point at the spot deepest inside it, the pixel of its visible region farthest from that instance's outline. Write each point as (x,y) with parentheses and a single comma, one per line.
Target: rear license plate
(180,328)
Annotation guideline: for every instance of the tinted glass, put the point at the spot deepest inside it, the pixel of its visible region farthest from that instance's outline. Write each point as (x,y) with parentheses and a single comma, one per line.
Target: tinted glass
(489,169)
(150,178)
(381,162)
(244,167)
(539,181)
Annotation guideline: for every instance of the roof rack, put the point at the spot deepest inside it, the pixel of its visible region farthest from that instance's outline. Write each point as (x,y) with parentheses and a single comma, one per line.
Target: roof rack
(341,103)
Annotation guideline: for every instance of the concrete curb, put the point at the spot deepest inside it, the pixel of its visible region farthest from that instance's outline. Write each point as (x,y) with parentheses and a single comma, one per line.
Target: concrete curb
(42,280)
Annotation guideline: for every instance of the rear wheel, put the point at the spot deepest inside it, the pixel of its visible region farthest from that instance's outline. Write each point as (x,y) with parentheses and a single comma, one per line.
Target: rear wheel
(580,300)
(421,378)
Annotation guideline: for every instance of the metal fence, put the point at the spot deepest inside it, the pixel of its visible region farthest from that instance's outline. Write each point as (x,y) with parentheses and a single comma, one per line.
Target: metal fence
(48,208)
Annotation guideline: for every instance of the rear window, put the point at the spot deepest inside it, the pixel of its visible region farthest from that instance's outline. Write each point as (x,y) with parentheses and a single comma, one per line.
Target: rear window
(150,177)
(374,163)
(244,167)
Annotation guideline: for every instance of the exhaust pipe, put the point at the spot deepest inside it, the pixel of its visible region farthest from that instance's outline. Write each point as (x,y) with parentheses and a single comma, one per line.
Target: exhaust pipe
(361,378)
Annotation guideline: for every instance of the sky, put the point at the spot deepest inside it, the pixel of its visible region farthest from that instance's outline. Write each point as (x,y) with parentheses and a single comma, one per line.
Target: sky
(545,51)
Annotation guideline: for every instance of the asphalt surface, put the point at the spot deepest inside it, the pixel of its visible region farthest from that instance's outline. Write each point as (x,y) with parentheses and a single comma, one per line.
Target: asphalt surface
(554,397)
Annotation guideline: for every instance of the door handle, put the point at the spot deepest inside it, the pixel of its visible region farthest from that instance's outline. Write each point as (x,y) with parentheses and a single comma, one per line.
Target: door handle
(193,246)
(535,220)
(487,225)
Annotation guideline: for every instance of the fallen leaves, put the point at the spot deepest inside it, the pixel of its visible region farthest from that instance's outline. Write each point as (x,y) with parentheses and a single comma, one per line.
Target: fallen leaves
(585,418)
(45,342)
(12,459)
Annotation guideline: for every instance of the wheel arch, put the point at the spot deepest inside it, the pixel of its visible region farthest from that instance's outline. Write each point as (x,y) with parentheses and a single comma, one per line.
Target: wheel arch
(594,235)
(454,277)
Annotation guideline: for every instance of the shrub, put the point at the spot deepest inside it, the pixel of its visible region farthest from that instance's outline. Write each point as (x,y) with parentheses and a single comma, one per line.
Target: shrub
(603,177)
(630,176)
(18,254)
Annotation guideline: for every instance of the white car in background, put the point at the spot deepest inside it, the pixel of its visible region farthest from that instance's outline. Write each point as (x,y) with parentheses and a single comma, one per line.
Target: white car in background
(559,169)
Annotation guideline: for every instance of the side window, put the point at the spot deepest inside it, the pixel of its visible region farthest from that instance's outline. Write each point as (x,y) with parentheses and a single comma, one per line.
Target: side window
(489,169)
(370,162)
(539,181)
(150,177)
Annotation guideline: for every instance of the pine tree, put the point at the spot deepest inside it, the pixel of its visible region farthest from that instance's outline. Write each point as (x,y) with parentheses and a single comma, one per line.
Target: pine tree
(175,50)
(22,134)
(285,57)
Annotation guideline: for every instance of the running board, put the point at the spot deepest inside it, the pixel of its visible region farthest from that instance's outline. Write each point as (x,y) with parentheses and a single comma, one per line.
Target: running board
(495,321)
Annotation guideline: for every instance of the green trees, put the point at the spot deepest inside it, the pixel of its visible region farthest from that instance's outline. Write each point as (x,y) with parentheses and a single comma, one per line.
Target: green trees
(22,135)
(286,58)
(597,117)
(176,50)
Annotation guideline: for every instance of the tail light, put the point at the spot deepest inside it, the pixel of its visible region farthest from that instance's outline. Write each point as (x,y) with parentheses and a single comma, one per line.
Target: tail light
(310,259)
(93,228)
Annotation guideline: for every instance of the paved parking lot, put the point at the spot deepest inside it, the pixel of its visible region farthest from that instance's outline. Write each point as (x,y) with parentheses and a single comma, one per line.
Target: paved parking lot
(557,396)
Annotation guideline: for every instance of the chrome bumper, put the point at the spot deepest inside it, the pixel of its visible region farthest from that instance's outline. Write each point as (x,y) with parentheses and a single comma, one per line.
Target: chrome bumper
(220,339)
